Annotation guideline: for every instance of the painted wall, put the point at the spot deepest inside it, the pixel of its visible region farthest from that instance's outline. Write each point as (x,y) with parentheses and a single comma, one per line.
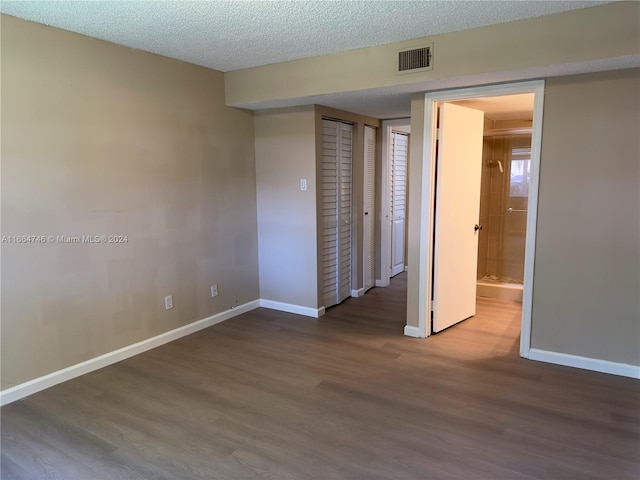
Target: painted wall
(98,139)
(415,219)
(587,268)
(285,149)
(484,55)
(587,272)
(287,145)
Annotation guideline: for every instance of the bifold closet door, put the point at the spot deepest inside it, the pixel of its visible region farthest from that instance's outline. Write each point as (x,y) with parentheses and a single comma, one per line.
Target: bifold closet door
(398,181)
(337,152)
(369,206)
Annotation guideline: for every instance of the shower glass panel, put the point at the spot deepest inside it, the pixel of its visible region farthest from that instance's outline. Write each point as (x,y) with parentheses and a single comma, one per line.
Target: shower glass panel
(513,215)
(508,165)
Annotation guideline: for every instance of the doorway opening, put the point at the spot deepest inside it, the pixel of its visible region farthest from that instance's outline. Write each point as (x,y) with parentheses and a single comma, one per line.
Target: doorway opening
(393,199)
(523,163)
(504,195)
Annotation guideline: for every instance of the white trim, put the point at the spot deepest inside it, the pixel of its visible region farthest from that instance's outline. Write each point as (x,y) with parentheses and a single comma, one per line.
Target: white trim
(427,189)
(38,384)
(425,253)
(532,220)
(291,308)
(586,363)
(382,283)
(357,293)
(414,332)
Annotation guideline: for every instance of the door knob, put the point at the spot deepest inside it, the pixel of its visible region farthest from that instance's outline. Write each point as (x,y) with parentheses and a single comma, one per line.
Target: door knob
(477,227)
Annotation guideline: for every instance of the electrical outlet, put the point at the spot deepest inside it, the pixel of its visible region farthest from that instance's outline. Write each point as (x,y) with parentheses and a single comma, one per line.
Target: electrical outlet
(214,290)
(168,302)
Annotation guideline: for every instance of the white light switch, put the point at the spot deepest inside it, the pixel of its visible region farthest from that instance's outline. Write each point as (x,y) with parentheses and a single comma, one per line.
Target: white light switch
(303,184)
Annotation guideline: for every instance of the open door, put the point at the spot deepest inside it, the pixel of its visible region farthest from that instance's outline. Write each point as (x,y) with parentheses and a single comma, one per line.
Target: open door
(458,172)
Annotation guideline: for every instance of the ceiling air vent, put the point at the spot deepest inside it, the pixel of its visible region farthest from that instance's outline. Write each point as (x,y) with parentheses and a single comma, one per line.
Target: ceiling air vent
(415,59)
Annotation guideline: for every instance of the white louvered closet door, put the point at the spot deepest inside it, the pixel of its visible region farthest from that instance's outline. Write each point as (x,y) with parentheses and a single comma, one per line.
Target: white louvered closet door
(337,146)
(398,191)
(369,206)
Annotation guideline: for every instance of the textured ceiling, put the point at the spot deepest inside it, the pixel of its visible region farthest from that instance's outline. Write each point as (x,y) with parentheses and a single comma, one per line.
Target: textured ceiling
(230,35)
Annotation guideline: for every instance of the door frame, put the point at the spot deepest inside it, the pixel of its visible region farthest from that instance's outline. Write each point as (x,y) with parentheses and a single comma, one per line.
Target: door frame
(427,199)
(387,128)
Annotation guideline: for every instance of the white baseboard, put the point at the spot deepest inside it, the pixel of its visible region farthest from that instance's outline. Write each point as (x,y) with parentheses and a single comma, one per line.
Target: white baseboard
(382,283)
(290,308)
(410,331)
(586,363)
(357,293)
(33,386)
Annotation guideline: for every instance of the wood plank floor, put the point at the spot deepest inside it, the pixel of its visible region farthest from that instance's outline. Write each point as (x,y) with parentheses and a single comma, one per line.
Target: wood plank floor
(270,395)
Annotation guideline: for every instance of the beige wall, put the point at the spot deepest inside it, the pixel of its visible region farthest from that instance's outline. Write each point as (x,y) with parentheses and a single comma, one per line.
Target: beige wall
(584,35)
(587,270)
(587,265)
(100,139)
(285,146)
(288,146)
(416,217)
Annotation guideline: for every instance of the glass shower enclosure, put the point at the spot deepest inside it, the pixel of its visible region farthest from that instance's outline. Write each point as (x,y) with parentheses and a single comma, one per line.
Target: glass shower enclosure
(503,211)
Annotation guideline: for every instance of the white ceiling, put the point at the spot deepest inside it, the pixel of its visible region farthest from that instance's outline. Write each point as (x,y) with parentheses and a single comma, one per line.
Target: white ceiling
(234,34)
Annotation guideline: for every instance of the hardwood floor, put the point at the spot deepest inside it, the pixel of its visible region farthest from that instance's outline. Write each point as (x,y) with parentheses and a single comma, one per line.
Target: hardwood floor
(270,395)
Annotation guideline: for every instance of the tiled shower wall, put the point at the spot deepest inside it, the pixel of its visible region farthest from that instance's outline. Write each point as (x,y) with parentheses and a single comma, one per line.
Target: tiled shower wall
(502,240)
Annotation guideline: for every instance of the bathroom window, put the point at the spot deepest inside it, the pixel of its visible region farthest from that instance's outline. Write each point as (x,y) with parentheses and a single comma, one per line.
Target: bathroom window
(520,165)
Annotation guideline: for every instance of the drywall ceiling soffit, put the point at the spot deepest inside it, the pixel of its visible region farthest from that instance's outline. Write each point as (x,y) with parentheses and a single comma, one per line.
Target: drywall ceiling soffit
(395,102)
(231,35)
(508,107)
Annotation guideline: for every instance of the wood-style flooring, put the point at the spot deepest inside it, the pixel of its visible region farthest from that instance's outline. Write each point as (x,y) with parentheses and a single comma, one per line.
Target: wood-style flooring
(271,395)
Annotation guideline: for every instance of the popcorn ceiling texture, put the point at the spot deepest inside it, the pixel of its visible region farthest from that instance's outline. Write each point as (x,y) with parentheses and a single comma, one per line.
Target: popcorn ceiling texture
(232,35)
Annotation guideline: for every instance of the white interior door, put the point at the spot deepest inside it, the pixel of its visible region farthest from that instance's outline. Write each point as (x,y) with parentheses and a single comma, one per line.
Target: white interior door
(398,190)
(337,146)
(369,206)
(458,171)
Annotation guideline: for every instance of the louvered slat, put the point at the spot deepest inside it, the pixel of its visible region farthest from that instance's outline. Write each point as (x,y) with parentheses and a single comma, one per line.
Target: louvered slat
(369,207)
(335,247)
(398,189)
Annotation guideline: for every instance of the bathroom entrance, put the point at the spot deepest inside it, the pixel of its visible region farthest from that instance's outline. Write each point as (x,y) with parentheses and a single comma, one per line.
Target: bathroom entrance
(504,194)
(504,204)
(482,183)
